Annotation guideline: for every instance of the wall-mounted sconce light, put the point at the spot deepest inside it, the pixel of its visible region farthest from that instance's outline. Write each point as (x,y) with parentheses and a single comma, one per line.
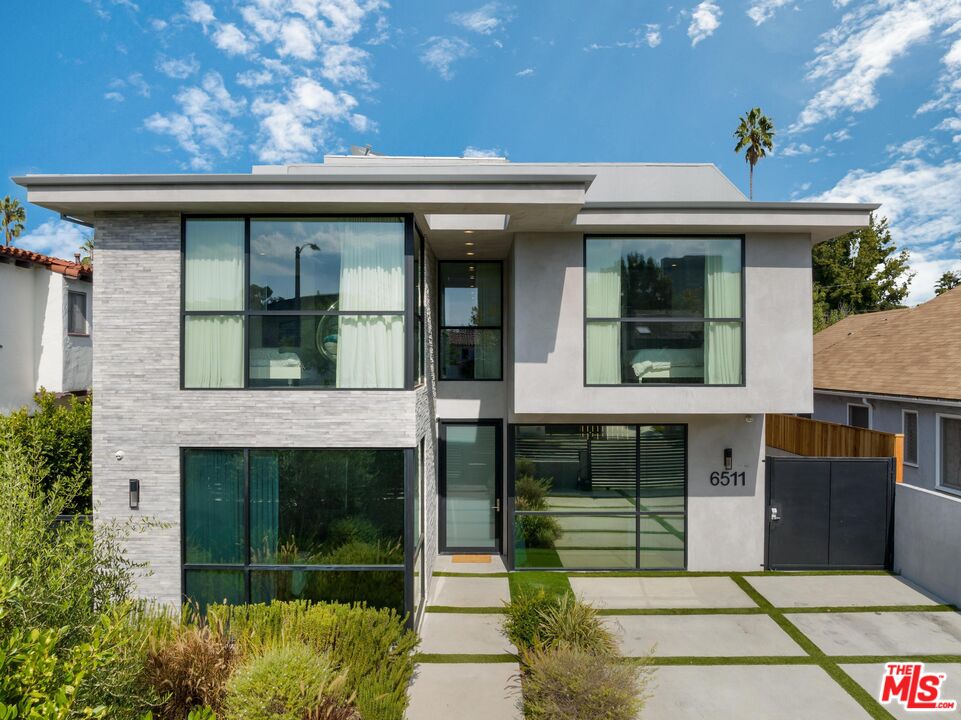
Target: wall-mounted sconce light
(748,418)
(134,494)
(728,458)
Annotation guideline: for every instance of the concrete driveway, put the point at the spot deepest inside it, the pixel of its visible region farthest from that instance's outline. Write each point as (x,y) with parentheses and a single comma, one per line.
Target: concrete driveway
(768,646)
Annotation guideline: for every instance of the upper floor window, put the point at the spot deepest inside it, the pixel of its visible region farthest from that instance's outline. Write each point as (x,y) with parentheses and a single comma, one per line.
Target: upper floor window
(470,320)
(77,313)
(665,310)
(294,302)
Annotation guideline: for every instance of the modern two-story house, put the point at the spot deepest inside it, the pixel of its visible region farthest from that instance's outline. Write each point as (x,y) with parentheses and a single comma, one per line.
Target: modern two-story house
(319,377)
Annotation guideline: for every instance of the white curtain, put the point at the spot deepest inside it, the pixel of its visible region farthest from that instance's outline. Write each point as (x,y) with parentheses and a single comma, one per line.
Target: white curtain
(722,299)
(603,300)
(487,346)
(370,348)
(214,265)
(213,351)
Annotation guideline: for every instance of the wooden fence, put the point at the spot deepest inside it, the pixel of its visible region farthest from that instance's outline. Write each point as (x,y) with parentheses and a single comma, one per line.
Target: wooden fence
(816,438)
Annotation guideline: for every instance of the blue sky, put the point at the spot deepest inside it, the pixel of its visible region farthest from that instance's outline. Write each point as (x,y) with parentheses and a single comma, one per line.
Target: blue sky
(866,96)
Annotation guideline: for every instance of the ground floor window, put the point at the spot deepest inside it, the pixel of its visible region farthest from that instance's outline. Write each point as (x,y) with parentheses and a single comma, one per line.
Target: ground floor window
(949,452)
(292,524)
(599,496)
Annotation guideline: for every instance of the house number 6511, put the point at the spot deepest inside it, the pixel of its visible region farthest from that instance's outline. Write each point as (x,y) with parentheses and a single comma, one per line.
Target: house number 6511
(728,478)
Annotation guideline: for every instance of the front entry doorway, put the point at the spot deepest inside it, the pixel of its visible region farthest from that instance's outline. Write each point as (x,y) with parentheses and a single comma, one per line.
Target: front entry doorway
(470,486)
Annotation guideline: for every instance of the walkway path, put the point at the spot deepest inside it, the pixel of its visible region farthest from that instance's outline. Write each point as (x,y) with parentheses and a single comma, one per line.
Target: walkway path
(728,646)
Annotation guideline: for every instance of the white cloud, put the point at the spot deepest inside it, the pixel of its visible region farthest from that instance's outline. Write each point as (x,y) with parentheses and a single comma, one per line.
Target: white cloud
(838,135)
(793,150)
(705,19)
(920,200)
(297,39)
(763,10)
(652,35)
(345,64)
(254,78)
(526,72)
(648,35)
(473,152)
(910,148)
(202,127)
(158,24)
(229,38)
(485,20)
(57,238)
(853,56)
(114,96)
(440,53)
(295,128)
(178,68)
(199,12)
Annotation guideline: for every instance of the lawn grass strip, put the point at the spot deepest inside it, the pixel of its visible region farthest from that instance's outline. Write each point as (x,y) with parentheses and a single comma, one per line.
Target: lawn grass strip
(463,658)
(553,583)
(464,610)
(861,696)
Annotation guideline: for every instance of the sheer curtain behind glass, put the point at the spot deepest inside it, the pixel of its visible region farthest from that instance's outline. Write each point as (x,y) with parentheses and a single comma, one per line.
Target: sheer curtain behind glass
(722,299)
(487,350)
(214,281)
(603,300)
(370,348)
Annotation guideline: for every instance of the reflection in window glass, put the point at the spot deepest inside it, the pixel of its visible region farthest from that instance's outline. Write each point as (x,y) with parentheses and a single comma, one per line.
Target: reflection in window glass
(383,588)
(470,321)
(599,496)
(327,507)
(212,587)
(214,506)
(470,354)
(658,280)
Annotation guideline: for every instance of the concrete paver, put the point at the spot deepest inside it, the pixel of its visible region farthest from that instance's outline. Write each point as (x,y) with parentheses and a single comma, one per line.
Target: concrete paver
(453,633)
(869,677)
(784,591)
(893,634)
(470,591)
(736,692)
(700,635)
(625,593)
(465,691)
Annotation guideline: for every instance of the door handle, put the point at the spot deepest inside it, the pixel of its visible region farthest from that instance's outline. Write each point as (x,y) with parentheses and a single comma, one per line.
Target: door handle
(774,514)
(497,505)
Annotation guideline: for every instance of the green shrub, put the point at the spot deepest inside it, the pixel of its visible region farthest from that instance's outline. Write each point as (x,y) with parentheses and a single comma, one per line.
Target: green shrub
(524,466)
(58,434)
(568,683)
(202,713)
(331,709)
(352,529)
(281,684)
(531,492)
(372,646)
(539,531)
(523,617)
(189,669)
(571,622)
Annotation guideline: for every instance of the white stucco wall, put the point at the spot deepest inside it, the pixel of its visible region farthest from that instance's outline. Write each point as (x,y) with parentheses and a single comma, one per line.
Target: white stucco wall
(549,335)
(35,350)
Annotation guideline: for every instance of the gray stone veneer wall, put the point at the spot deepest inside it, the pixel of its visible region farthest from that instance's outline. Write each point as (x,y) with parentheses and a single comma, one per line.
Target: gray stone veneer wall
(139,408)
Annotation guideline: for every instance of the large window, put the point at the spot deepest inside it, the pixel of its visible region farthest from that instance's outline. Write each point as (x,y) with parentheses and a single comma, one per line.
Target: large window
(663,310)
(470,321)
(949,452)
(77,313)
(296,302)
(599,496)
(317,524)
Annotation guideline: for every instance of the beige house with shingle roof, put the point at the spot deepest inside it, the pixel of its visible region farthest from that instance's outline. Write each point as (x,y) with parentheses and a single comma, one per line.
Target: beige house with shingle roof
(899,371)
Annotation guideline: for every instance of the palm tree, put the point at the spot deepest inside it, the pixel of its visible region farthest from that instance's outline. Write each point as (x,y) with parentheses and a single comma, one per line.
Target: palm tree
(12,216)
(755,135)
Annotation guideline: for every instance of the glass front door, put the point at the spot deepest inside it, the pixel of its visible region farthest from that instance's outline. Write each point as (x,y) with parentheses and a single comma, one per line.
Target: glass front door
(470,486)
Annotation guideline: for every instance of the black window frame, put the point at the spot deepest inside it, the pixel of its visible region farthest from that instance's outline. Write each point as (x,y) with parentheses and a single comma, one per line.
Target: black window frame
(441,327)
(860,406)
(661,319)
(408,313)
(85,332)
(638,514)
(247,567)
(420,372)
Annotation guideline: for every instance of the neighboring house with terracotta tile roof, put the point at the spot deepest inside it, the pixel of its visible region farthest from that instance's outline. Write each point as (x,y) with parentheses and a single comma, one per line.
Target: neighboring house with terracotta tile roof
(45,326)
(899,371)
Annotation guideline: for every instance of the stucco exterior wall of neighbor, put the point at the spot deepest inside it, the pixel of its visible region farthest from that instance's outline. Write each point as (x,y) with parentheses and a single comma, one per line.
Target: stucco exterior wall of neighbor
(19,343)
(927,526)
(549,334)
(886,417)
(140,409)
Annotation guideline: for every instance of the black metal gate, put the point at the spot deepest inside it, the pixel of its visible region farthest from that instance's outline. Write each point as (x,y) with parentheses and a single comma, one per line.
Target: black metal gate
(829,513)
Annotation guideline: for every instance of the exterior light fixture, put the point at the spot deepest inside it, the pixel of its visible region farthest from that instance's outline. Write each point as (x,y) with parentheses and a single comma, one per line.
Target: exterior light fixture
(748,418)
(469,244)
(728,458)
(134,494)
(470,253)
(468,232)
